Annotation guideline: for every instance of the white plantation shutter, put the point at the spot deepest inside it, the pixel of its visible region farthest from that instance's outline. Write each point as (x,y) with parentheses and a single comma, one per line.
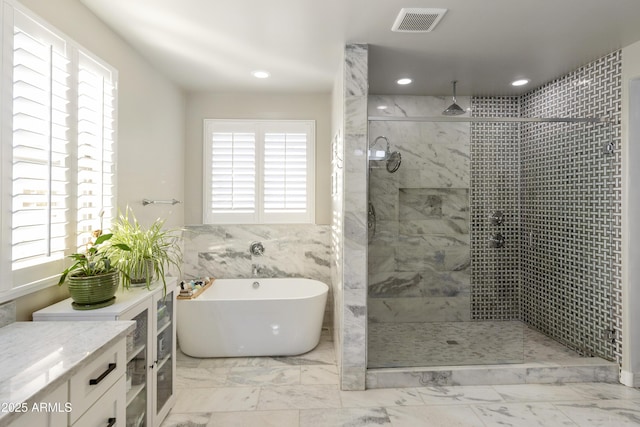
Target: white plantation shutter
(58,153)
(40,140)
(233,174)
(96,161)
(258,171)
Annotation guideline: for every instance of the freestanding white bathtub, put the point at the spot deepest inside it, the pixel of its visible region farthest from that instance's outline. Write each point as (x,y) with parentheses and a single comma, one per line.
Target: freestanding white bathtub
(236,317)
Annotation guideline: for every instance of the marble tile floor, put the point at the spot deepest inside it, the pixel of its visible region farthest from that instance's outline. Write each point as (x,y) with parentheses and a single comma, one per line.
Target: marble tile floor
(392,345)
(303,391)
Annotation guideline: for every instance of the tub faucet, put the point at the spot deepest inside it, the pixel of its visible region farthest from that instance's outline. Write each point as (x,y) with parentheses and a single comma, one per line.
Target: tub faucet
(255,269)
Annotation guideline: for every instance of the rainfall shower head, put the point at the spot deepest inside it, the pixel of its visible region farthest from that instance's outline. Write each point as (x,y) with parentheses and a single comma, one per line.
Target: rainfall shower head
(453,109)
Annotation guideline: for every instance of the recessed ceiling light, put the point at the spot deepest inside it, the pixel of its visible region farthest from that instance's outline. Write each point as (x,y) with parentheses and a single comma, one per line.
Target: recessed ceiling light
(404,81)
(261,74)
(381,107)
(520,82)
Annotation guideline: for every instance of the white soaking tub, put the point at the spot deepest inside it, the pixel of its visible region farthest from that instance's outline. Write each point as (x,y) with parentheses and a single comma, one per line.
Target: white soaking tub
(253,317)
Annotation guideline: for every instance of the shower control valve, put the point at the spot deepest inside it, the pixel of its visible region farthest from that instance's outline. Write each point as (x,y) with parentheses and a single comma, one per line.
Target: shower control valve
(256,249)
(496,240)
(496,218)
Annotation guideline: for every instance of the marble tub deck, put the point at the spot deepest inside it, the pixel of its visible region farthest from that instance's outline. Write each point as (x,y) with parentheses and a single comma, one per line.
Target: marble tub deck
(303,391)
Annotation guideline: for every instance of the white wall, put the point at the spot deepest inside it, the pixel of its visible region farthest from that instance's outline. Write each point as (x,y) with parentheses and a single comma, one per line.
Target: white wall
(150,113)
(630,374)
(203,105)
(150,130)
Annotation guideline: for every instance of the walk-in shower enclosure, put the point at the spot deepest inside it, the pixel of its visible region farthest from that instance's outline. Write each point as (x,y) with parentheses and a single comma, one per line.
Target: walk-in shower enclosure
(491,227)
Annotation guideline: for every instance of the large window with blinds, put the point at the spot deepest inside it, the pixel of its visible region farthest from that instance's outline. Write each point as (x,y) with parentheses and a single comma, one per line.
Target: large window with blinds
(58,151)
(259,171)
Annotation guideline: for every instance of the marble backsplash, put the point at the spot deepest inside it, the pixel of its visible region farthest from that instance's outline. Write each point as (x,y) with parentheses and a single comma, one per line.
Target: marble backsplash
(298,250)
(7,313)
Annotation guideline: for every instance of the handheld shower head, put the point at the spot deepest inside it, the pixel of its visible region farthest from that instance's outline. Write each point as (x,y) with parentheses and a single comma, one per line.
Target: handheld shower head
(453,109)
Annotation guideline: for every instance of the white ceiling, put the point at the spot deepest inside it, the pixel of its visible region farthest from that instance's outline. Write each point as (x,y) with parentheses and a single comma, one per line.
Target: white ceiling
(214,45)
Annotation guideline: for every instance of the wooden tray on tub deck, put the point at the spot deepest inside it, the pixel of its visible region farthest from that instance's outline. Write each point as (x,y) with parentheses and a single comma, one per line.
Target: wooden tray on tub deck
(195,294)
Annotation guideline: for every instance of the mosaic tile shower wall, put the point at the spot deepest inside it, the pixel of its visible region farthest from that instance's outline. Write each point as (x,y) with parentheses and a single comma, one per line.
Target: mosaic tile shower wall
(569,196)
(571,210)
(495,211)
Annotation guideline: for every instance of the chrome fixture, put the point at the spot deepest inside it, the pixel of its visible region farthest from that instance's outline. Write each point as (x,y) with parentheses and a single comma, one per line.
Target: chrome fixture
(172,202)
(371,221)
(496,218)
(378,154)
(255,270)
(609,147)
(496,240)
(453,109)
(255,285)
(256,249)
(467,119)
(393,158)
(393,162)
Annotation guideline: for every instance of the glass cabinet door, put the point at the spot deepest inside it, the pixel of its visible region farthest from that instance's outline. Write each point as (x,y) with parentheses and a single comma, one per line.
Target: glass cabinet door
(136,377)
(164,367)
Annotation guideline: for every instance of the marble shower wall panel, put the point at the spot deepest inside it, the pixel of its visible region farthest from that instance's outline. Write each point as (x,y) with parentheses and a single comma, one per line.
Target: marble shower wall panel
(354,294)
(435,153)
(413,106)
(419,264)
(292,250)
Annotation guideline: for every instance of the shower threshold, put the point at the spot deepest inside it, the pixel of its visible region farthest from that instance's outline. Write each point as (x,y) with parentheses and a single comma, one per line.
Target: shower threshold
(542,361)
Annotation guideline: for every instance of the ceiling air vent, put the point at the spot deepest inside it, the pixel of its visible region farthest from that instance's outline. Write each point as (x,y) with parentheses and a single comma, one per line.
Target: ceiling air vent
(417,20)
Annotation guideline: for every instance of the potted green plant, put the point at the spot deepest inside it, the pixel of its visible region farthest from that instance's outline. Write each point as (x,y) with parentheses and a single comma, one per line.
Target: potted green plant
(92,279)
(150,252)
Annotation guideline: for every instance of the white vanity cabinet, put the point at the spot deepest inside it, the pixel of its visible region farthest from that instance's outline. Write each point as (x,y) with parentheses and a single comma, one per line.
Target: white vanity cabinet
(93,396)
(46,418)
(150,351)
(59,374)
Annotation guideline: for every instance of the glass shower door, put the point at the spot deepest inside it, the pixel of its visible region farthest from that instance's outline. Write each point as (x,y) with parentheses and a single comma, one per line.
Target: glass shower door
(423,252)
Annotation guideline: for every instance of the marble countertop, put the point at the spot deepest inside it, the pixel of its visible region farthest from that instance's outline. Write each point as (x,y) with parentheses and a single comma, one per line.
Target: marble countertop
(36,357)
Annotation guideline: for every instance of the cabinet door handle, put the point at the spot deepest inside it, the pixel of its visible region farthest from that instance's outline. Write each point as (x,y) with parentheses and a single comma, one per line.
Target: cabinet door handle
(112,422)
(95,381)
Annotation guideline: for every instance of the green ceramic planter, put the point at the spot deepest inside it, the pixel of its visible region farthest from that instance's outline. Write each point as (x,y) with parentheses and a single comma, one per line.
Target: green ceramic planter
(94,291)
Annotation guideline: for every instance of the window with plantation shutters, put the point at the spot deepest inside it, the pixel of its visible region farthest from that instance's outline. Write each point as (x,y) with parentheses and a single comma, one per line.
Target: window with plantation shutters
(40,145)
(96,146)
(258,172)
(57,157)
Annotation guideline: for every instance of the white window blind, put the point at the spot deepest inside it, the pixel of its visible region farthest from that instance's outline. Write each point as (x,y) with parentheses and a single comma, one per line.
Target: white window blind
(259,171)
(57,159)
(40,144)
(96,144)
(233,172)
(285,172)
